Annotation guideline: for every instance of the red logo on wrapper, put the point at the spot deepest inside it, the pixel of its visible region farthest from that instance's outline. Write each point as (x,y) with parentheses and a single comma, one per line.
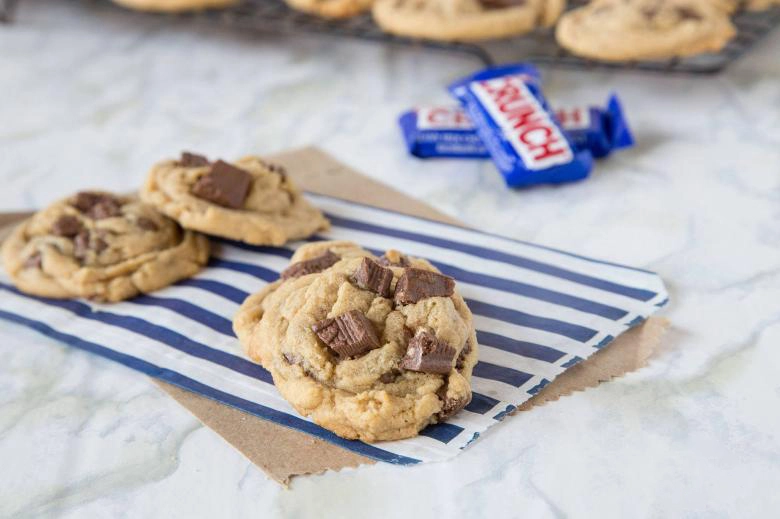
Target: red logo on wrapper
(442,118)
(525,123)
(577,118)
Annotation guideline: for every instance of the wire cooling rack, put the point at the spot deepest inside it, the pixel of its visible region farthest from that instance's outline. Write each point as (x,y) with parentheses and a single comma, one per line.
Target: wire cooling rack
(274,16)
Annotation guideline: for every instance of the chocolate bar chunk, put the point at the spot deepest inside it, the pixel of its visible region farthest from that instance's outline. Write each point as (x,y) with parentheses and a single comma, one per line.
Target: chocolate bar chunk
(371,276)
(147,224)
(349,334)
(85,242)
(192,160)
(66,225)
(311,266)
(97,205)
(451,406)
(224,185)
(462,356)
(428,354)
(393,258)
(418,284)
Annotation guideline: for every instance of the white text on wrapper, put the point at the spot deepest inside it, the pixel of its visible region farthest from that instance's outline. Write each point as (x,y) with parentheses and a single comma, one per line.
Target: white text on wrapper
(526,125)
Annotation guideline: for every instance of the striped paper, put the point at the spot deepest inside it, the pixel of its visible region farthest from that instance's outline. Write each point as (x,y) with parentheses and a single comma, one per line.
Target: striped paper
(538,311)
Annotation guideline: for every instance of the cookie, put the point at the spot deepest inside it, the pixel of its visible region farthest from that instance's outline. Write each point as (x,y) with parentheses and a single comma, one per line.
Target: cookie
(465,20)
(331,8)
(620,30)
(249,200)
(100,246)
(174,5)
(369,348)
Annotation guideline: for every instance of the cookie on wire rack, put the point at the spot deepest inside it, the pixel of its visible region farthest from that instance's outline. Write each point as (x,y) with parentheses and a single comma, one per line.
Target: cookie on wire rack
(465,20)
(627,30)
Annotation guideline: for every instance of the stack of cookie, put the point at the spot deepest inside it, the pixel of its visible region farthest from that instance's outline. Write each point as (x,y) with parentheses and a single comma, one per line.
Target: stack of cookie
(370,348)
(607,30)
(109,247)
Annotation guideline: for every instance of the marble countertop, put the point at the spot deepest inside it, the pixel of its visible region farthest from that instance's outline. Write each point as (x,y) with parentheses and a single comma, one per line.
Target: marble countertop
(91,96)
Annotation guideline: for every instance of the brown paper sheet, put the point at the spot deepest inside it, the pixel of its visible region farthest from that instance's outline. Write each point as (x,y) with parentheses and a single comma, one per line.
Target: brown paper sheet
(283,453)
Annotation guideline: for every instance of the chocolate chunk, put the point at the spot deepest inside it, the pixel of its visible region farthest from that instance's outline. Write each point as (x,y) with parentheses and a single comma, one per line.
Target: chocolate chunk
(501,4)
(97,205)
(462,356)
(224,184)
(393,258)
(192,160)
(86,241)
(66,225)
(687,13)
(428,354)
(389,377)
(371,276)
(311,266)
(451,406)
(107,208)
(147,224)
(349,334)
(34,261)
(418,284)
(81,244)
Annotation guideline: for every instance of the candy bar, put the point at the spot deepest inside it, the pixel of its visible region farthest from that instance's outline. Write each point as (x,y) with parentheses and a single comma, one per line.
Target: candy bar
(513,119)
(599,130)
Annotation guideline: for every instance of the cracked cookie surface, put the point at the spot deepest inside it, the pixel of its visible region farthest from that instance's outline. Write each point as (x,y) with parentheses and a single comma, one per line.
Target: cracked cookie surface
(100,246)
(618,30)
(343,351)
(248,200)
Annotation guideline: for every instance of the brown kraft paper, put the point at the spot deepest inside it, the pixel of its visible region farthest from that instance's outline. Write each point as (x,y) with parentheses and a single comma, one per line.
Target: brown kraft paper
(283,453)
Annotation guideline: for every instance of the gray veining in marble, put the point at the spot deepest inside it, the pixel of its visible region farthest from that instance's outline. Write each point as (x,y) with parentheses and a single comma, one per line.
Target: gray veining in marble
(90,96)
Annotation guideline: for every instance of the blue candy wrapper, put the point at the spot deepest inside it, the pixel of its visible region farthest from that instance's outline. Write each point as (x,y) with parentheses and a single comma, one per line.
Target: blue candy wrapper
(599,130)
(516,125)
(441,131)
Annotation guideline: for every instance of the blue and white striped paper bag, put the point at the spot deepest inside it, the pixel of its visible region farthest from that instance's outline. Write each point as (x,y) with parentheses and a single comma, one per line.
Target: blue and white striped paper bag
(537,311)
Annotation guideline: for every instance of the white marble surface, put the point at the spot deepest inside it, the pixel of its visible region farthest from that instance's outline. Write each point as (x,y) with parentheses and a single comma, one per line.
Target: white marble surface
(91,97)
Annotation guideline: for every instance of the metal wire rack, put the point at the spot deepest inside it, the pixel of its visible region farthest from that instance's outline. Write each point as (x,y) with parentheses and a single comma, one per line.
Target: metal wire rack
(274,16)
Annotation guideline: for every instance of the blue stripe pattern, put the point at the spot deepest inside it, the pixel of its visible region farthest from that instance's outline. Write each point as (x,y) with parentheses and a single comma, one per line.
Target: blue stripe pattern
(495,255)
(562,344)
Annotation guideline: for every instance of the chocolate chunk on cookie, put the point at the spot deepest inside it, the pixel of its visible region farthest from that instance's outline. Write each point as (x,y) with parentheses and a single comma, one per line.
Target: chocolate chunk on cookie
(97,205)
(418,284)
(192,160)
(428,354)
(67,226)
(350,334)
(147,224)
(393,258)
(86,241)
(451,406)
(372,276)
(224,185)
(311,266)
